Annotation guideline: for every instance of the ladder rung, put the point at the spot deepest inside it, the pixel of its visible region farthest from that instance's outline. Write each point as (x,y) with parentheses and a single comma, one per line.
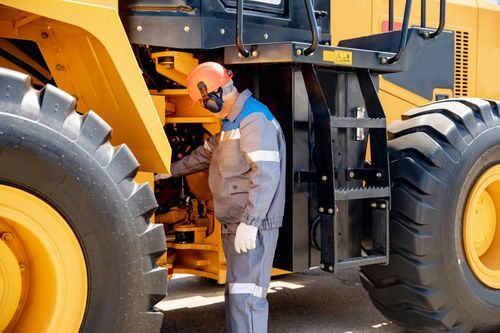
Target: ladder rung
(362,261)
(351,122)
(362,193)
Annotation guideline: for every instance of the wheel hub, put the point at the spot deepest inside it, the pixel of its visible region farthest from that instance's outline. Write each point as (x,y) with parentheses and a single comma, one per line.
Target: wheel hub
(43,277)
(481,228)
(10,282)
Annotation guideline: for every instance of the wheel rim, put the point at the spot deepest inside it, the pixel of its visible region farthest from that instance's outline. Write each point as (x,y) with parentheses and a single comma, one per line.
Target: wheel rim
(41,259)
(481,230)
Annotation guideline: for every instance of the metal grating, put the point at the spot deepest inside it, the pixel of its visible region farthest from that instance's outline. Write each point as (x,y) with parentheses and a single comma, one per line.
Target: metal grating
(462,63)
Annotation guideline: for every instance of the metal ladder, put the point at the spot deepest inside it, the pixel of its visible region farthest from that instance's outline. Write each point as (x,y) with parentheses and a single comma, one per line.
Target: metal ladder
(375,187)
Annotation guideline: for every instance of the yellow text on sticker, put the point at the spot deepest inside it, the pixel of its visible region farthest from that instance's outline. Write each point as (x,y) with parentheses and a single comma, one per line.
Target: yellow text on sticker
(338,57)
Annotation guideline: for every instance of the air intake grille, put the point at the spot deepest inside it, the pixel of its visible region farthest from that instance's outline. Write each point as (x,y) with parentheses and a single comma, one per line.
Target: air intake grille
(461,63)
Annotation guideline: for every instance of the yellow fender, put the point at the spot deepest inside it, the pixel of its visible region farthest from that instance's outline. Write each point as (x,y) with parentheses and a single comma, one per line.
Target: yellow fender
(89,55)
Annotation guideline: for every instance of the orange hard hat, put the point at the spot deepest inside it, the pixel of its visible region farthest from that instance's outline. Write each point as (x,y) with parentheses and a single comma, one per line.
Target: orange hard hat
(212,74)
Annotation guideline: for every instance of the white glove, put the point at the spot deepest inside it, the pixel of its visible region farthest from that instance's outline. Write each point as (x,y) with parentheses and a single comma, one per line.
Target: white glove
(159,176)
(245,238)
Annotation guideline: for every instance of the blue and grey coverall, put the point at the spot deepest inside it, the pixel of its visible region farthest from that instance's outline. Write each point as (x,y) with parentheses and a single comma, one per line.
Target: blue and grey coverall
(246,162)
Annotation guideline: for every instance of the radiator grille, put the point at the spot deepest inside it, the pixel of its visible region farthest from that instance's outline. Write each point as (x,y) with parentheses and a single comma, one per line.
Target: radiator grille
(461,63)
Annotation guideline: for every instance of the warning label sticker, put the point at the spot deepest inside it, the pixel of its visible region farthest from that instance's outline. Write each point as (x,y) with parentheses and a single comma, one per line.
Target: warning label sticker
(338,57)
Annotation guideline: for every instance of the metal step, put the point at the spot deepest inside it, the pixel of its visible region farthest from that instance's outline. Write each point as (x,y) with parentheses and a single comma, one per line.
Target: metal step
(362,261)
(355,193)
(351,122)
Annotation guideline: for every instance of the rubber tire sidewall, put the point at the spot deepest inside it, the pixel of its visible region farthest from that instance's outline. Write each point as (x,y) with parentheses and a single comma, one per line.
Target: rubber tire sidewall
(476,299)
(40,160)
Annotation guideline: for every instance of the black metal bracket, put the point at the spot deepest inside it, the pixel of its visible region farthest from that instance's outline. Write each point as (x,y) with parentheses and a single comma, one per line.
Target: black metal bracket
(370,175)
(323,142)
(378,136)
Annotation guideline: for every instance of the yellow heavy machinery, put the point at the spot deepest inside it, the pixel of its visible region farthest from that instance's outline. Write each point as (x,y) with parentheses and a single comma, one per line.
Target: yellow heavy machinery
(416,205)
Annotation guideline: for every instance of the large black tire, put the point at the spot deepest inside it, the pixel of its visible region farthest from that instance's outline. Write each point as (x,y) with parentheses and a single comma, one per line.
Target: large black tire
(64,158)
(436,154)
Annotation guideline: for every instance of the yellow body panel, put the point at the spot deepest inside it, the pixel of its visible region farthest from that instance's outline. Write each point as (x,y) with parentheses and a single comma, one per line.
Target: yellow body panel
(88,52)
(488,55)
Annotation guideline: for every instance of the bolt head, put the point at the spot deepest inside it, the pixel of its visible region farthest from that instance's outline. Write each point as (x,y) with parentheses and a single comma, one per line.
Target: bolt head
(298,52)
(383,206)
(266,36)
(330,210)
(44,35)
(322,266)
(351,174)
(379,174)
(7,236)
(373,205)
(222,31)
(426,35)
(186,28)
(22,268)
(139,28)
(255,53)
(59,67)
(321,209)
(383,61)
(324,178)
(330,268)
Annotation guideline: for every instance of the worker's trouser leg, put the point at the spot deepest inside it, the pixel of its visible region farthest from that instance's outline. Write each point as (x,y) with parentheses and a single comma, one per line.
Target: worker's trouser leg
(248,277)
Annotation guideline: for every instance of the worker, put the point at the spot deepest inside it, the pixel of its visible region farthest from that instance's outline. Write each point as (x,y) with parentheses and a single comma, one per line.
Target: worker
(246,162)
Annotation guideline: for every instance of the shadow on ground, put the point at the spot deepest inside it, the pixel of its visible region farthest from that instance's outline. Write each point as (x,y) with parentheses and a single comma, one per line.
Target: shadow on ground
(311,301)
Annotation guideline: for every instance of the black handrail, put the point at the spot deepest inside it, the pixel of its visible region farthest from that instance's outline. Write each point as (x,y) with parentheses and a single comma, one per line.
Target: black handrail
(442,20)
(239,30)
(423,13)
(391,15)
(404,35)
(314,27)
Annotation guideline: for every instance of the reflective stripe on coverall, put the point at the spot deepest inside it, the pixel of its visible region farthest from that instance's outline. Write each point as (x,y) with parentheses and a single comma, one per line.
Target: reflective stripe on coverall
(246,162)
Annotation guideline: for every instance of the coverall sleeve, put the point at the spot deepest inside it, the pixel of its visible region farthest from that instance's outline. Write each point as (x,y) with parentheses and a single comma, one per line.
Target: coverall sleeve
(198,160)
(259,144)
